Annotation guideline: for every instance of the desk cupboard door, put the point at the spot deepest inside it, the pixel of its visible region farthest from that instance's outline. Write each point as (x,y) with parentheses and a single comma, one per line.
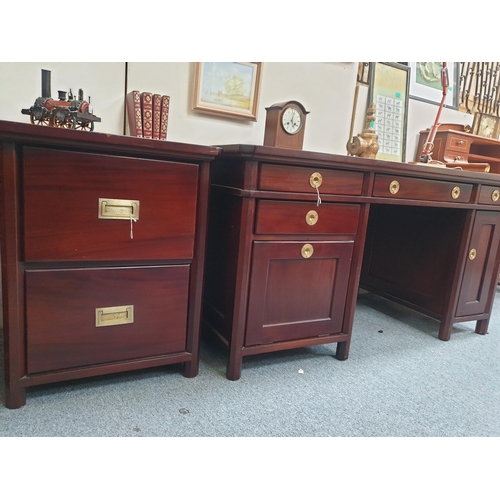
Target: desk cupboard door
(297,290)
(481,260)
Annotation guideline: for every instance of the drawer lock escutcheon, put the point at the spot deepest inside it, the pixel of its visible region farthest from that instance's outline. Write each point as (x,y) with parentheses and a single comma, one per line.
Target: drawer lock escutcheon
(315,180)
(495,195)
(394,187)
(307,250)
(118,209)
(472,254)
(455,192)
(312,217)
(109,316)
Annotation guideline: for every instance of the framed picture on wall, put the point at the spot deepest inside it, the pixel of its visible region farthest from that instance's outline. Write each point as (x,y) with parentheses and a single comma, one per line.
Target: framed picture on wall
(389,91)
(228,88)
(425,83)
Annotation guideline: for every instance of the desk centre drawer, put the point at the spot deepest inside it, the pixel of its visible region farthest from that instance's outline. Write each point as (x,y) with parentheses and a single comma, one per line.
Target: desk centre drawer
(140,209)
(280,217)
(81,317)
(408,188)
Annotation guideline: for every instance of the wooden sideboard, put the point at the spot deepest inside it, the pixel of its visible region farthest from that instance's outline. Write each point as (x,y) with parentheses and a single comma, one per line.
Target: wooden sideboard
(456,146)
(293,234)
(102,247)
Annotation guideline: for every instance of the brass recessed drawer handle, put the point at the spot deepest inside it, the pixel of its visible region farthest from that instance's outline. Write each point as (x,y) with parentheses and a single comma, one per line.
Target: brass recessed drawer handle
(455,192)
(315,180)
(307,250)
(472,254)
(118,209)
(312,217)
(109,316)
(495,195)
(394,187)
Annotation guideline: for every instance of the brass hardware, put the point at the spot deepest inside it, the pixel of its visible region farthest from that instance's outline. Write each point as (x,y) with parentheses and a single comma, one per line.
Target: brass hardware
(460,143)
(455,192)
(108,316)
(118,209)
(315,180)
(487,169)
(307,250)
(472,254)
(495,195)
(458,158)
(394,187)
(312,217)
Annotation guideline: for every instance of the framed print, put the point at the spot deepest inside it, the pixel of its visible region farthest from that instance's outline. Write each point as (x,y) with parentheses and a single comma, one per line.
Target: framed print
(425,83)
(228,89)
(389,90)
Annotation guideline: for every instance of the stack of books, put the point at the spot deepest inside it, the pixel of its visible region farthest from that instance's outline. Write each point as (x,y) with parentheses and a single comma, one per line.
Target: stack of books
(148,114)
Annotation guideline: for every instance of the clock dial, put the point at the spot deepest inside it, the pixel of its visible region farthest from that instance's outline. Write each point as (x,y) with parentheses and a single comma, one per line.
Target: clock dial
(487,127)
(291,120)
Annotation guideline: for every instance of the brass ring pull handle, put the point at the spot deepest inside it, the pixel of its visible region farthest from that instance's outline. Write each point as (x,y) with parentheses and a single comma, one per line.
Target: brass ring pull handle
(394,187)
(455,192)
(495,195)
(312,217)
(307,250)
(472,254)
(315,180)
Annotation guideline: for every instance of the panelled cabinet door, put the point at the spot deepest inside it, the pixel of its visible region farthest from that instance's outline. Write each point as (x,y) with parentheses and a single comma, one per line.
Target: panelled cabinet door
(297,290)
(480,264)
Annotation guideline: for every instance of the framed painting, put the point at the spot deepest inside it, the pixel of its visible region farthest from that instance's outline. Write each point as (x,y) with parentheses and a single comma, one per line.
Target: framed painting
(389,91)
(425,83)
(228,88)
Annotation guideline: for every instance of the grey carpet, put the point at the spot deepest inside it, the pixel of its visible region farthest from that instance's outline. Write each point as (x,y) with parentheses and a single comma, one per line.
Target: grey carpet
(399,380)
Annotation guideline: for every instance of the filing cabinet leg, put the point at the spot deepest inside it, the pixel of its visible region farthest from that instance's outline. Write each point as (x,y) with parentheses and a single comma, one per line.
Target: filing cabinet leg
(15,398)
(342,351)
(190,369)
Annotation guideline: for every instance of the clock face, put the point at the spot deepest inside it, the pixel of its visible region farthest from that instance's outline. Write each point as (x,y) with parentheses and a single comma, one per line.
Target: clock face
(291,120)
(487,126)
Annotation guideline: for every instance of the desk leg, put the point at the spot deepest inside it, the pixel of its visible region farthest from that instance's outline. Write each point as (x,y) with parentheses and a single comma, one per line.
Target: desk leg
(482,326)
(233,371)
(445,328)
(190,369)
(342,351)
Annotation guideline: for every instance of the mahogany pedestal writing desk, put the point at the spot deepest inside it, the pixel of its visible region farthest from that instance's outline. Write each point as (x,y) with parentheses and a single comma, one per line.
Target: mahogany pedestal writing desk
(103,245)
(293,234)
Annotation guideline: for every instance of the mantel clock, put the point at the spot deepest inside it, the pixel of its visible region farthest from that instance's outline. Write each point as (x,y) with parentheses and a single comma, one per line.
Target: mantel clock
(285,125)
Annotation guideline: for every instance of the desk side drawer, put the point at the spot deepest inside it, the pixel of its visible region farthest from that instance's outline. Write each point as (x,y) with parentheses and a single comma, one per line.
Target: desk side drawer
(388,186)
(303,180)
(489,195)
(78,207)
(457,143)
(301,218)
(140,311)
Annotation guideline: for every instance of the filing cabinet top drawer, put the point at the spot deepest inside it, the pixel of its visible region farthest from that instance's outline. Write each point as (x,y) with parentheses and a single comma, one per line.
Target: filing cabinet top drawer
(489,195)
(303,218)
(398,187)
(81,206)
(305,179)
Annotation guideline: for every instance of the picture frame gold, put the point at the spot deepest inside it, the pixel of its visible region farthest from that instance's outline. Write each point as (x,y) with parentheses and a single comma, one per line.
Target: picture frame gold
(229,89)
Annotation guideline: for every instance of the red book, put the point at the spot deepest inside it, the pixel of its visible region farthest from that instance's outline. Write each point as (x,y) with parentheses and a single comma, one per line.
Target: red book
(134,113)
(147,114)
(165,105)
(156,115)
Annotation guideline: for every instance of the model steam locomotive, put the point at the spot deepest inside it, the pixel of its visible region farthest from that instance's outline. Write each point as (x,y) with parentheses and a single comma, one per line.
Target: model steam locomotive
(65,112)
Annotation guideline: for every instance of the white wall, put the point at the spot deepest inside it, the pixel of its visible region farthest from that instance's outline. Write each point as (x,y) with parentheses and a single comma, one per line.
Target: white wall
(325,89)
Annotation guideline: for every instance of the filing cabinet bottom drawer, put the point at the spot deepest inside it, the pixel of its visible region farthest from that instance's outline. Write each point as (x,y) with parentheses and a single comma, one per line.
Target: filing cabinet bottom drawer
(82,317)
